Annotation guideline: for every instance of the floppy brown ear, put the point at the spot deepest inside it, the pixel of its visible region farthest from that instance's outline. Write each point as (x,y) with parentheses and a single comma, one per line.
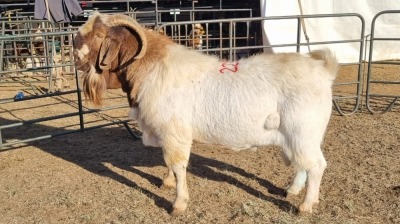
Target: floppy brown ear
(108,52)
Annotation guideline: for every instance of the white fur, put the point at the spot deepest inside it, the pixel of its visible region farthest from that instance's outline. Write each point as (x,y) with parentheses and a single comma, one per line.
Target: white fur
(282,99)
(265,102)
(272,121)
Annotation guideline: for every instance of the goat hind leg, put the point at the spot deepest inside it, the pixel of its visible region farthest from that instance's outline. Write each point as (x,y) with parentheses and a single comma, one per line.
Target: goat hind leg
(298,183)
(313,185)
(300,177)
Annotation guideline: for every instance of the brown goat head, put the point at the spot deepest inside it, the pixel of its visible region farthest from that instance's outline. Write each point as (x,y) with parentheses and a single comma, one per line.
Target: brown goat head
(98,52)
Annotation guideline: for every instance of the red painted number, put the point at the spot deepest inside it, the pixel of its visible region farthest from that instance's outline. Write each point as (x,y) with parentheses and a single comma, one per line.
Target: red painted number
(229,67)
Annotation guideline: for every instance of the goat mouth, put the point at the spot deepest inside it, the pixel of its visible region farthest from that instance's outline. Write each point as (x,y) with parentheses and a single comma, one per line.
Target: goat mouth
(82,65)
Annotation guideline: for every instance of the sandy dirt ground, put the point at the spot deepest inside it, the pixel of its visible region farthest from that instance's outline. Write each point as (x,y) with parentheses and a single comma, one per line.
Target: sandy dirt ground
(104,175)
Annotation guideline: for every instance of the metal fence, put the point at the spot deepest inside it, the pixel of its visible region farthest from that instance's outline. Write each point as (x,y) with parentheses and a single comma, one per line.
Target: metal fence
(376,101)
(30,54)
(50,73)
(231,39)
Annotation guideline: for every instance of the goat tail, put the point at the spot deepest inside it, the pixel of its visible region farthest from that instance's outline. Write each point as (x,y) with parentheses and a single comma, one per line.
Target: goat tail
(94,86)
(331,63)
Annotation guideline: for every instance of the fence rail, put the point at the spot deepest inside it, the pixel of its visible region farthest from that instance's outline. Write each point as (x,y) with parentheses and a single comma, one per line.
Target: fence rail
(389,99)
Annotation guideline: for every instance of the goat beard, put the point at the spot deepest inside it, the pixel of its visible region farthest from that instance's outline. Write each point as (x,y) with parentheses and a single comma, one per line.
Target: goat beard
(94,86)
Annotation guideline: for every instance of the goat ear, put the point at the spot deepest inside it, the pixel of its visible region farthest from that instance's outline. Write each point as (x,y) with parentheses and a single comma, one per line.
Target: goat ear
(108,52)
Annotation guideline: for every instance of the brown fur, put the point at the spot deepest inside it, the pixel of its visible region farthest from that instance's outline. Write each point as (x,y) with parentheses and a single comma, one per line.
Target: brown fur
(94,87)
(104,69)
(195,35)
(119,20)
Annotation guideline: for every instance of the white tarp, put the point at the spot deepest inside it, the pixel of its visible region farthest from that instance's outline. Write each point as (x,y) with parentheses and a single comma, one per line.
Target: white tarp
(285,31)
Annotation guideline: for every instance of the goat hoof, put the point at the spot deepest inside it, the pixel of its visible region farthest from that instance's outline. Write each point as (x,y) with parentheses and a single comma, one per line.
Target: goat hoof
(291,191)
(304,209)
(167,186)
(307,208)
(177,212)
(179,206)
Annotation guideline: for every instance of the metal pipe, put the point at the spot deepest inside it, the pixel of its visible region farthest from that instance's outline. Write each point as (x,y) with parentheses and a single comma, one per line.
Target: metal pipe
(80,105)
(36,97)
(55,117)
(8,145)
(298,35)
(370,58)
(230,41)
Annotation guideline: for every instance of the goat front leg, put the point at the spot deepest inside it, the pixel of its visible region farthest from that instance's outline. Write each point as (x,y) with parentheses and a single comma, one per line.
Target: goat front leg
(182,193)
(298,183)
(169,180)
(176,157)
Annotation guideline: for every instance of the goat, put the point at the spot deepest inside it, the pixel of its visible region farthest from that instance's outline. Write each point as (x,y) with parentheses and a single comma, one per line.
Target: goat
(196,36)
(179,96)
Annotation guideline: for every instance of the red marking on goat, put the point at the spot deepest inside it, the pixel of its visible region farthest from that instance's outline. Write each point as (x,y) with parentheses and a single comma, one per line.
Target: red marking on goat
(229,67)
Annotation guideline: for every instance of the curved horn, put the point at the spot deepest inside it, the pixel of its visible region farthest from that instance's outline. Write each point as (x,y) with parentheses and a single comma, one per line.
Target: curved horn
(123,20)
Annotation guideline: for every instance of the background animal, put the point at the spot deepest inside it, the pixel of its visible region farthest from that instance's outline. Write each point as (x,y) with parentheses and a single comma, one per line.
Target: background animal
(179,96)
(196,36)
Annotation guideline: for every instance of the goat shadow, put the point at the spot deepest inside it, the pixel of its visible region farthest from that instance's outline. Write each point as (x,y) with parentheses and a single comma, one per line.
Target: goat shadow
(125,152)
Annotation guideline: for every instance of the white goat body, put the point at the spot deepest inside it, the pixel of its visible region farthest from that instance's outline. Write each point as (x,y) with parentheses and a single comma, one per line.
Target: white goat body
(270,99)
(184,96)
(280,99)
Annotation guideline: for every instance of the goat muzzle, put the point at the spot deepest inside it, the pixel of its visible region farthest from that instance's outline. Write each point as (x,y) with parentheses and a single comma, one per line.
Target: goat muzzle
(82,65)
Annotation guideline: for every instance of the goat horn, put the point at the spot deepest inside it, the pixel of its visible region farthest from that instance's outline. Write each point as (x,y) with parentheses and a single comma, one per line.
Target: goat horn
(123,20)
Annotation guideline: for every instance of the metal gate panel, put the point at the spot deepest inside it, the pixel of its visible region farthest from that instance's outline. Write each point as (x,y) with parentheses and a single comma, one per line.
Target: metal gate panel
(382,91)
(26,98)
(232,39)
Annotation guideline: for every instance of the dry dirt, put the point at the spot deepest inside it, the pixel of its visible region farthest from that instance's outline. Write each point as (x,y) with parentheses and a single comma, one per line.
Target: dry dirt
(104,175)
